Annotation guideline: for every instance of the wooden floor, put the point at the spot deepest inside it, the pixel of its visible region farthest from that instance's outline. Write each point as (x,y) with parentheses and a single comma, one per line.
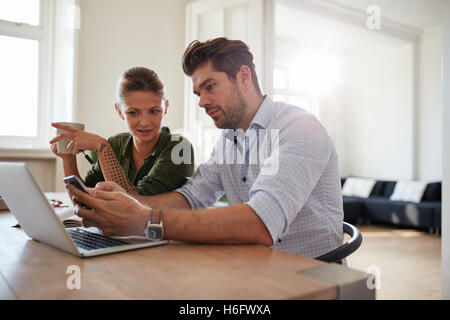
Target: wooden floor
(408,262)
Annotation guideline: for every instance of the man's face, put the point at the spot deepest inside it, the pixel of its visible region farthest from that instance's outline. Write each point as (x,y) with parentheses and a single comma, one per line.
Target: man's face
(219,96)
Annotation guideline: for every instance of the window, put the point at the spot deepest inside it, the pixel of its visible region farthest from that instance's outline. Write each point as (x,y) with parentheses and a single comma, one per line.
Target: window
(20,11)
(19,61)
(24,36)
(287,88)
(36,50)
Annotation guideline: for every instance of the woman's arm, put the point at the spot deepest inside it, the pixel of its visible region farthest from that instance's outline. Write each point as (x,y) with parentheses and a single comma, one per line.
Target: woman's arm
(111,168)
(71,168)
(81,140)
(69,164)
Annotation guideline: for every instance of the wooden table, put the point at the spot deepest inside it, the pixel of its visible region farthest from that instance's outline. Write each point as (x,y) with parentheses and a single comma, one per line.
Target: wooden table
(33,270)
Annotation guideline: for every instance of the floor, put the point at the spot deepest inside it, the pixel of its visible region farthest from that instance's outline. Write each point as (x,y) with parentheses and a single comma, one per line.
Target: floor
(406,264)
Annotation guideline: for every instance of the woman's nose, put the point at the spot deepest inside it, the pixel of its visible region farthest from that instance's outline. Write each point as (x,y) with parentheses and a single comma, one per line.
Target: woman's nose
(145,119)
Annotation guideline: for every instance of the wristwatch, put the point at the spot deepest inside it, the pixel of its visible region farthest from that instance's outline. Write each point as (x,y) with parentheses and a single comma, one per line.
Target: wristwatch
(155,230)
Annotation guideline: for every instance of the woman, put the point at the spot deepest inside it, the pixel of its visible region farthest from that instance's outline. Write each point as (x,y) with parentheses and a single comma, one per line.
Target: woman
(140,161)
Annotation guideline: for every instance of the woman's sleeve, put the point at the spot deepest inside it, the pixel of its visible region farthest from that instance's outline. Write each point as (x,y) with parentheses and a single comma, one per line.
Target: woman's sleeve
(94,175)
(171,169)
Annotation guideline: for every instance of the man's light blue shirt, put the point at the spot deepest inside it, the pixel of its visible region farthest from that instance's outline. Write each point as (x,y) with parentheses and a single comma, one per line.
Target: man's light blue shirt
(285,168)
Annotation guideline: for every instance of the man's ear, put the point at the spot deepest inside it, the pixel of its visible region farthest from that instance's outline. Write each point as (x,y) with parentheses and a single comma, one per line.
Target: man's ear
(245,75)
(119,111)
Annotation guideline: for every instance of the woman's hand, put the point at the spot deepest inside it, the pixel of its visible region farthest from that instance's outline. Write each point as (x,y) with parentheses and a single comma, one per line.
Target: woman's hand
(64,156)
(79,140)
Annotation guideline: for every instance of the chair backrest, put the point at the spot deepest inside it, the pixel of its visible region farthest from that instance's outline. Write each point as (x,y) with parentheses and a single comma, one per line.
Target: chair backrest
(347,248)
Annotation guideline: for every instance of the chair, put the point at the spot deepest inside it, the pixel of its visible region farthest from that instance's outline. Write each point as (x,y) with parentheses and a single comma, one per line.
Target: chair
(347,248)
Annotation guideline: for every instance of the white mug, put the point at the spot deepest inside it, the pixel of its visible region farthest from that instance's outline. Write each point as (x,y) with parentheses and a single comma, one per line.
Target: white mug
(62,145)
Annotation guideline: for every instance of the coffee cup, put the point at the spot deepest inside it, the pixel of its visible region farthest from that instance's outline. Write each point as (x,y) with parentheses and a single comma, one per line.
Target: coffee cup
(62,144)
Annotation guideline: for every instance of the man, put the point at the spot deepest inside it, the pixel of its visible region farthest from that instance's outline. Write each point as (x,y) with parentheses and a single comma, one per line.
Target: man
(289,197)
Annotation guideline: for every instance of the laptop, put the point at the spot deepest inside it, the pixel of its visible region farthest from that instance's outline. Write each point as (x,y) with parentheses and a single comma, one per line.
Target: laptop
(37,218)
(3,205)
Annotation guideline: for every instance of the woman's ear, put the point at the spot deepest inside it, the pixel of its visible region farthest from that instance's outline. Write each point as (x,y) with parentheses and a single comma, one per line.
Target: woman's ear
(167,106)
(119,111)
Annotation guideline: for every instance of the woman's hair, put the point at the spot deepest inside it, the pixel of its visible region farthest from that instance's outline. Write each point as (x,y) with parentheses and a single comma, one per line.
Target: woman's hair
(225,55)
(138,79)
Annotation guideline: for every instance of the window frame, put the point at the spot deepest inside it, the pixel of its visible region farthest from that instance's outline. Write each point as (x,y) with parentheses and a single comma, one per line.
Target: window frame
(288,92)
(43,33)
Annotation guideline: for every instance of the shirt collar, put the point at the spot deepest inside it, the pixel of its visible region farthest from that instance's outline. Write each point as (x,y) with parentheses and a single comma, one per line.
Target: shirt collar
(262,118)
(264,114)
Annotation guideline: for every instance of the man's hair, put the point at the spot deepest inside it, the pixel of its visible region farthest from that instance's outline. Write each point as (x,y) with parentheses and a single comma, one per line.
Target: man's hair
(138,79)
(225,55)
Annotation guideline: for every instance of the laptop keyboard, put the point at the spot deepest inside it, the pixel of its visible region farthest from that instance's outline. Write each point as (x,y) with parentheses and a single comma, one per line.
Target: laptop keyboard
(91,241)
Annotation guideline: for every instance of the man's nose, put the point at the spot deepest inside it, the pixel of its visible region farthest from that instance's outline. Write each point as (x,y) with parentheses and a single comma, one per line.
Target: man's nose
(204,102)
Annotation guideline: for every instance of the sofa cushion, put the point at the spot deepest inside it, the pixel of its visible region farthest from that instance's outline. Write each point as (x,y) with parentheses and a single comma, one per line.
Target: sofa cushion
(389,187)
(433,192)
(400,212)
(409,191)
(378,189)
(359,187)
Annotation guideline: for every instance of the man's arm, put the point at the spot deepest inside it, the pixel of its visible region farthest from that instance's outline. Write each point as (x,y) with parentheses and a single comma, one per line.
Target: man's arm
(237,224)
(172,200)
(119,214)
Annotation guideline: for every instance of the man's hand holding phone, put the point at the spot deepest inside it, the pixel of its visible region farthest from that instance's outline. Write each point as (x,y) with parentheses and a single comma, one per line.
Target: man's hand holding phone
(76,182)
(113,211)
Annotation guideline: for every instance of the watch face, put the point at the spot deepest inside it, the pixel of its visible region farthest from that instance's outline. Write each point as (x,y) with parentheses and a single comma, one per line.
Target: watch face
(154,232)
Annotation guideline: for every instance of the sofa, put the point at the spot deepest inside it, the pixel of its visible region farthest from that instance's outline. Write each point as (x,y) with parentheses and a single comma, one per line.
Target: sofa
(379,208)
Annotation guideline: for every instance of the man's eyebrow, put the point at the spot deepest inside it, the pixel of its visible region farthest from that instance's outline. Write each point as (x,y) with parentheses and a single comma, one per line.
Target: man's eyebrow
(202,85)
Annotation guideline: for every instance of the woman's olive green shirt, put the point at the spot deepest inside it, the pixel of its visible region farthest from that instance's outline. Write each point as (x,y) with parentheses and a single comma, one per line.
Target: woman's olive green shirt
(158,174)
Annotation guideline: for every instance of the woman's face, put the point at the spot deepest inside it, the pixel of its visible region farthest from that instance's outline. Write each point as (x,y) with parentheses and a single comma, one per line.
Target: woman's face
(143,111)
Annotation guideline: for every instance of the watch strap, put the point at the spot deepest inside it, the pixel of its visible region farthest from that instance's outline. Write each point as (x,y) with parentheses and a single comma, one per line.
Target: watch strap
(155,216)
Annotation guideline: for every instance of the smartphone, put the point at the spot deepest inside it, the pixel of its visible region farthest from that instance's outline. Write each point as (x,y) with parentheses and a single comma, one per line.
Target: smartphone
(75,181)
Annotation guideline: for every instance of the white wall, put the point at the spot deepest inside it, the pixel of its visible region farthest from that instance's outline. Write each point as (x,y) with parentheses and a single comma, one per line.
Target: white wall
(387,137)
(379,112)
(116,35)
(430,137)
